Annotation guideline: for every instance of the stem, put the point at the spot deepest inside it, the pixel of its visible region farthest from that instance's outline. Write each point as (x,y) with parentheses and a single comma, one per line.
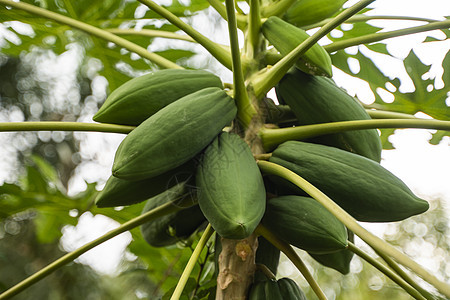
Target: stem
(69,257)
(220,8)
(265,81)
(386,271)
(372,240)
(64,126)
(293,256)
(365,18)
(394,266)
(245,109)
(254,30)
(192,261)
(151,33)
(95,31)
(266,271)
(214,49)
(277,8)
(382,114)
(376,37)
(274,137)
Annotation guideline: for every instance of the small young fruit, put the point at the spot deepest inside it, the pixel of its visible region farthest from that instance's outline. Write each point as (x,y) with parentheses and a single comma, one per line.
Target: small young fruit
(316,99)
(141,97)
(305,223)
(286,37)
(174,135)
(362,187)
(230,186)
(307,12)
(289,289)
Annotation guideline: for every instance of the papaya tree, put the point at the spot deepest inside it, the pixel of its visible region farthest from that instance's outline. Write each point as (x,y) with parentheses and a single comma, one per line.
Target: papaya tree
(221,162)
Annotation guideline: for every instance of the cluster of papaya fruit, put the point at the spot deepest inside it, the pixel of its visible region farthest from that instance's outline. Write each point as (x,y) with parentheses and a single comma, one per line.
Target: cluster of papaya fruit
(179,150)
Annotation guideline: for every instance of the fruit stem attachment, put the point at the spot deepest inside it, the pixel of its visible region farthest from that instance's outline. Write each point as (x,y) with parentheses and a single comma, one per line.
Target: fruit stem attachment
(191,263)
(293,256)
(273,137)
(153,214)
(246,111)
(266,80)
(95,31)
(216,50)
(386,271)
(64,126)
(375,242)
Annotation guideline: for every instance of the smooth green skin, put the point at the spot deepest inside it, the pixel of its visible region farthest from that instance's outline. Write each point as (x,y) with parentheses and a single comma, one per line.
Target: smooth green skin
(268,255)
(305,223)
(265,290)
(174,227)
(174,135)
(285,37)
(289,290)
(121,192)
(230,186)
(141,97)
(316,99)
(307,12)
(340,261)
(362,187)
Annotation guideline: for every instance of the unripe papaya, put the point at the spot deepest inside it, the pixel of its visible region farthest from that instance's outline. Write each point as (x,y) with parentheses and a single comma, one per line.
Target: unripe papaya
(282,289)
(285,37)
(289,289)
(305,223)
(307,12)
(268,255)
(141,97)
(316,99)
(173,227)
(340,261)
(121,192)
(362,187)
(173,135)
(230,186)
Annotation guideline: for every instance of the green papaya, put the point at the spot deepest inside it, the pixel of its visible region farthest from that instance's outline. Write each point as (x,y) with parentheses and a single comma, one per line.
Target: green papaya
(173,135)
(340,261)
(290,290)
(362,187)
(230,187)
(316,99)
(265,290)
(121,192)
(286,37)
(141,97)
(305,223)
(171,228)
(307,12)
(268,255)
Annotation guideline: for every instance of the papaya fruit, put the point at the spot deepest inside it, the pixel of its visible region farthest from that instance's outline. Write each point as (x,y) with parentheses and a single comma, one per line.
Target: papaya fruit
(121,192)
(173,135)
(307,12)
(141,97)
(282,289)
(268,255)
(285,37)
(362,187)
(172,228)
(340,261)
(290,290)
(230,186)
(305,223)
(316,99)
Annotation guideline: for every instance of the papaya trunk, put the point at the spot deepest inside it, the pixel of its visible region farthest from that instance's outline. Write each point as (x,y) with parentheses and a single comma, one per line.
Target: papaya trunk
(236,268)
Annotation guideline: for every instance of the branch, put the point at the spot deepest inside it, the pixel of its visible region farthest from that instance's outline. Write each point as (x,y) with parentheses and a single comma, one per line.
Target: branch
(95,31)
(216,50)
(151,33)
(69,257)
(191,263)
(375,242)
(274,137)
(265,81)
(63,126)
